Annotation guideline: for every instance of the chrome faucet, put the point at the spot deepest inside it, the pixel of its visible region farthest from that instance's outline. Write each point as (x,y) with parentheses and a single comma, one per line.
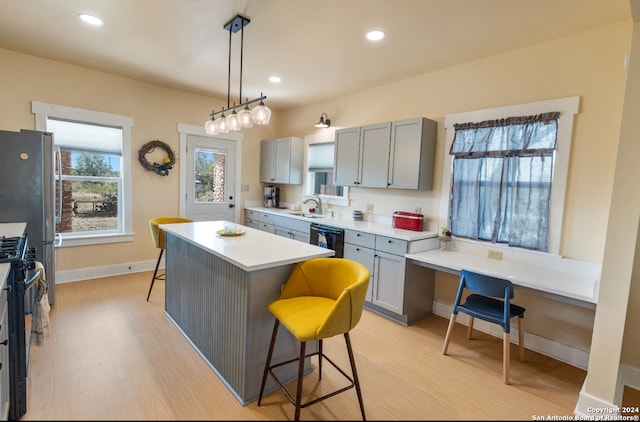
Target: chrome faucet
(317,201)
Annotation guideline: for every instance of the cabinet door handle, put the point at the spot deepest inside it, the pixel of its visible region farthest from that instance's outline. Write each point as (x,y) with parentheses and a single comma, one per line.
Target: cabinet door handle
(391,241)
(5,342)
(8,288)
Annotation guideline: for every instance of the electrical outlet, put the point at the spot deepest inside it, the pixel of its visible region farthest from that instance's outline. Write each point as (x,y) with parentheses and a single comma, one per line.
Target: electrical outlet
(417,210)
(369,207)
(494,254)
(244,188)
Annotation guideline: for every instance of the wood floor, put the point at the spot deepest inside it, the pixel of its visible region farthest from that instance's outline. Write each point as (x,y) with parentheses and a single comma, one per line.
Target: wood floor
(113,356)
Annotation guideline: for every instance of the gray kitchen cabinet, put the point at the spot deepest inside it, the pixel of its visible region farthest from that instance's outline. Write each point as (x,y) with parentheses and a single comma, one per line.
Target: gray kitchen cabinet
(259,220)
(395,155)
(281,160)
(396,290)
(292,228)
(362,160)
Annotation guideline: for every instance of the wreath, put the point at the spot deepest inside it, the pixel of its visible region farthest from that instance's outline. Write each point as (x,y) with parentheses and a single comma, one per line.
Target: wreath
(167,162)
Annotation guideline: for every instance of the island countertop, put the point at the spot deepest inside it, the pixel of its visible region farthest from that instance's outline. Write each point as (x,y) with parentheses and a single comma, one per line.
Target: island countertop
(254,250)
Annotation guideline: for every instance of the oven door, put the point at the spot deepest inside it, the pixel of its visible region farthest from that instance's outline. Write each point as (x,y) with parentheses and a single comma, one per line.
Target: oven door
(327,237)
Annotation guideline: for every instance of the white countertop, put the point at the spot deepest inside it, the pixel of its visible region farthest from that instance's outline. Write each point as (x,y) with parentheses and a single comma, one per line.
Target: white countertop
(344,223)
(12,229)
(254,250)
(559,277)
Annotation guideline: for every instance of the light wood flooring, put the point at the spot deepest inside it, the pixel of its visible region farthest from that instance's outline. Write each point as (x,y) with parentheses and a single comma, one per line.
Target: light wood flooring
(113,356)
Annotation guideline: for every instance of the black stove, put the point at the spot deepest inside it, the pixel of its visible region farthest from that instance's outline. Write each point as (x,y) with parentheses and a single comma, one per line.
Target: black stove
(20,280)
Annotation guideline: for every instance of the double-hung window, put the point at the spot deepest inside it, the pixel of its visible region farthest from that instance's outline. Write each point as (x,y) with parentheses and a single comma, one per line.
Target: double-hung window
(94,170)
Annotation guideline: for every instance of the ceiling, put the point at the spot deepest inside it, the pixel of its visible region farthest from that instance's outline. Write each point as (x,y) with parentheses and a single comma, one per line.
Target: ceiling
(317,47)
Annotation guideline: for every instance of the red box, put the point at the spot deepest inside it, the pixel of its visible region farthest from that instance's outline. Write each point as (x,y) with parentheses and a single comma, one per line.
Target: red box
(408,221)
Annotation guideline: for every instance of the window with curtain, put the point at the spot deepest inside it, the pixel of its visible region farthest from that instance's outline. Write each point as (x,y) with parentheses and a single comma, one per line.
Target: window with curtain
(501,180)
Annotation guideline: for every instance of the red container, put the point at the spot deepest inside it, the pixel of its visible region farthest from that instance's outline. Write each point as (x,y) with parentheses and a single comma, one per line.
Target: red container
(408,221)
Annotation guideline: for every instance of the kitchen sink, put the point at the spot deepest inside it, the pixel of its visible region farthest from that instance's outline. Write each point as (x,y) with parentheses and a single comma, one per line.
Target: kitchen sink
(313,215)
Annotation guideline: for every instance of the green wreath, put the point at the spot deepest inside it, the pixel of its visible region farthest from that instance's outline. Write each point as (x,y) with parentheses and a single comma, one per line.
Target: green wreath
(167,162)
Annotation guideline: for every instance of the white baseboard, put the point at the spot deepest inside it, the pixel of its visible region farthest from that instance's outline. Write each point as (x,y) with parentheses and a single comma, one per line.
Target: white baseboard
(561,352)
(80,274)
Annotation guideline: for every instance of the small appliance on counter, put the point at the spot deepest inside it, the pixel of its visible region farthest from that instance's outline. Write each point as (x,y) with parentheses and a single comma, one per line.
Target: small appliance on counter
(271,197)
(407,221)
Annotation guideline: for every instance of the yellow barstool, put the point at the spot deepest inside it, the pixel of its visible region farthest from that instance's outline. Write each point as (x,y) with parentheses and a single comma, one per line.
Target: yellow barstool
(158,236)
(322,298)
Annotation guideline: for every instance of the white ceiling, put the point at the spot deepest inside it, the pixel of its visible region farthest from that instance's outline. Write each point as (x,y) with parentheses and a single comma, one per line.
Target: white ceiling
(317,47)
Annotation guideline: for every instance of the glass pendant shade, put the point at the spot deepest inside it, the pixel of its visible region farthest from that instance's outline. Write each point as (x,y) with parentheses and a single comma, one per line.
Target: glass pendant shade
(245,118)
(210,127)
(232,121)
(261,114)
(221,124)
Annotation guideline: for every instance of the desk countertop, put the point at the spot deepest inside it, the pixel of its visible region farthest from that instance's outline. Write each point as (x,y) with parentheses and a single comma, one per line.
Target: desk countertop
(254,250)
(562,278)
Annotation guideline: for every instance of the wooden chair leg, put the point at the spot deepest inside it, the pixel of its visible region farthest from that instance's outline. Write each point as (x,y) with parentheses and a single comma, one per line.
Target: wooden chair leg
(355,374)
(470,327)
(155,274)
(521,337)
(268,362)
(303,345)
(452,323)
(505,358)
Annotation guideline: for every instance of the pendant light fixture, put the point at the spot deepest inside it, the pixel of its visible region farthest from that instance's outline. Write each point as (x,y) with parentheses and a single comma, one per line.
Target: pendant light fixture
(235,121)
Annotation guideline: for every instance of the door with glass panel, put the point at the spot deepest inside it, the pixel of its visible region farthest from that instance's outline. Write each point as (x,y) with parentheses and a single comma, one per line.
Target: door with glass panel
(210,171)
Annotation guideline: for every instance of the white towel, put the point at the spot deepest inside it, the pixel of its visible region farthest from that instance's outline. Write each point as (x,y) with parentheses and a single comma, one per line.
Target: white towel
(41,320)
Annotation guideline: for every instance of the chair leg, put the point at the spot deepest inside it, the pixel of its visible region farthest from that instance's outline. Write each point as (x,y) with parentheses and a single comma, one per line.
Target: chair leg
(355,374)
(452,323)
(505,358)
(303,345)
(470,327)
(320,359)
(268,362)
(521,337)
(155,274)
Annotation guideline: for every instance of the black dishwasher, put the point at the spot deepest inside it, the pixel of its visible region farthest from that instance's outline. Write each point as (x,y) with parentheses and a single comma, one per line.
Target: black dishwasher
(329,237)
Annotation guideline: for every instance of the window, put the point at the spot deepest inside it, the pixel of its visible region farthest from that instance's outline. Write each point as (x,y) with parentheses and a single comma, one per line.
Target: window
(94,153)
(501,180)
(319,179)
(484,184)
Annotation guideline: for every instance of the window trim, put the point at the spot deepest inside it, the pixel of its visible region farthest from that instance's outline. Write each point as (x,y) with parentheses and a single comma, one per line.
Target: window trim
(327,136)
(44,110)
(567,107)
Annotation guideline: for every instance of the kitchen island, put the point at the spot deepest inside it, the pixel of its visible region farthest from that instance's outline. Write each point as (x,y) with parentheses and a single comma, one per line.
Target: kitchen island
(217,290)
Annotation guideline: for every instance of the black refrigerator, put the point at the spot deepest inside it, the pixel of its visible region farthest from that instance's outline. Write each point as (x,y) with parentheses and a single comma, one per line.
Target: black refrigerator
(28,162)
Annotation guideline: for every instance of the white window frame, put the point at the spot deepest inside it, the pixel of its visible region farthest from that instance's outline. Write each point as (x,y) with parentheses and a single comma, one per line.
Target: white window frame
(44,110)
(327,136)
(568,108)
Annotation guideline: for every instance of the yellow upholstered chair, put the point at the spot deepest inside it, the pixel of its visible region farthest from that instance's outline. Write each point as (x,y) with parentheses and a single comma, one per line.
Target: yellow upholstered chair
(322,298)
(158,236)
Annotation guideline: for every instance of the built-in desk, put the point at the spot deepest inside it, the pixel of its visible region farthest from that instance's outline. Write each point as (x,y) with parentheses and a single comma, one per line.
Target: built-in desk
(561,279)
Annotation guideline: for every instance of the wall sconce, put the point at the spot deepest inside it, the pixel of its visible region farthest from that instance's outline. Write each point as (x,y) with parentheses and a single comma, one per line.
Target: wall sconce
(324,121)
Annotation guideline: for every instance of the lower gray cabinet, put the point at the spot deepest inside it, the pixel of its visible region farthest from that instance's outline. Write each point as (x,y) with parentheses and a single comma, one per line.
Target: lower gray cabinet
(292,228)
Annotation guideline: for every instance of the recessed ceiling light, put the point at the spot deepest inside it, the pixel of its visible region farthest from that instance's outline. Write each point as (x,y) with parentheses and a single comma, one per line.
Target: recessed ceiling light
(90,19)
(376,35)
(275,79)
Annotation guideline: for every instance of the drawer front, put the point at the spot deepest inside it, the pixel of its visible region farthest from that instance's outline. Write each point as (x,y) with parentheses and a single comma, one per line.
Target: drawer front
(391,245)
(266,227)
(292,223)
(368,240)
(251,223)
(360,254)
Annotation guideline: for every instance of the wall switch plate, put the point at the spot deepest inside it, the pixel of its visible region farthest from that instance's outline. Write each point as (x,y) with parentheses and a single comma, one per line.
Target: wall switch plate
(244,188)
(369,207)
(417,210)
(494,254)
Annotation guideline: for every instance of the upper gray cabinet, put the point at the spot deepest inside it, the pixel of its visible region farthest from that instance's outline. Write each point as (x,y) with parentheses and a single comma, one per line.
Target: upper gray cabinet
(397,155)
(281,160)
